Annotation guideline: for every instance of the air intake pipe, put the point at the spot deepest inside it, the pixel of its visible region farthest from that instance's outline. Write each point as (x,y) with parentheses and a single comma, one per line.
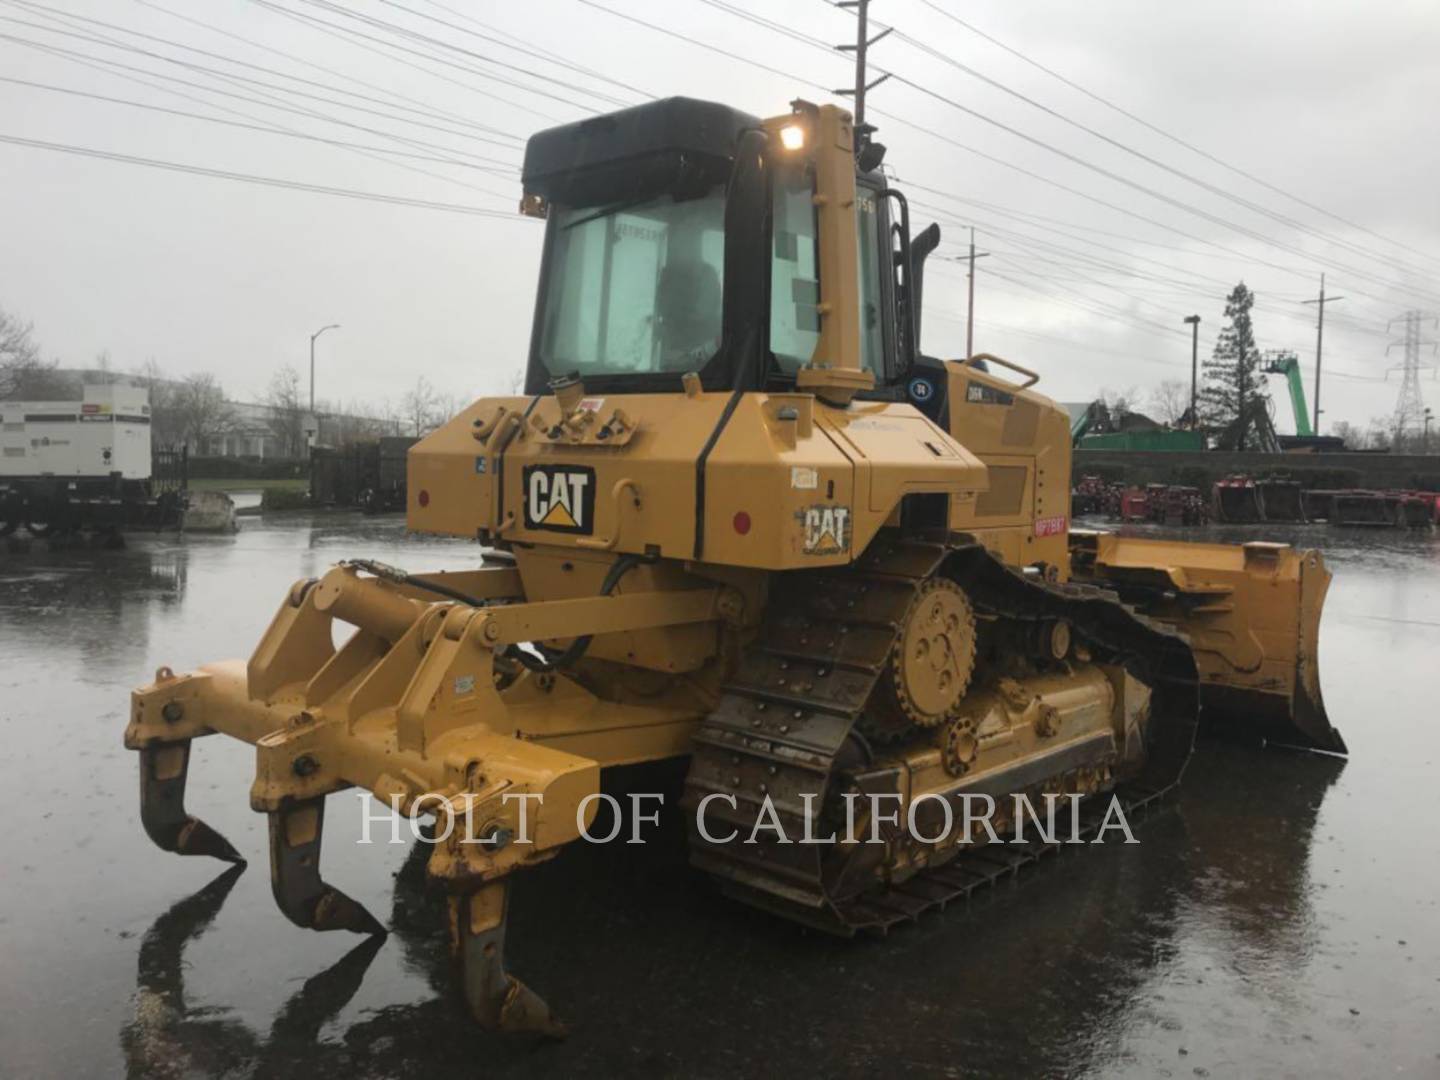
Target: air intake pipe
(920,249)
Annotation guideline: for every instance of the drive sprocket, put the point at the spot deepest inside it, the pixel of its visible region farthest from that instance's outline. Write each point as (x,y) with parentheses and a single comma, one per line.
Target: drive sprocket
(930,664)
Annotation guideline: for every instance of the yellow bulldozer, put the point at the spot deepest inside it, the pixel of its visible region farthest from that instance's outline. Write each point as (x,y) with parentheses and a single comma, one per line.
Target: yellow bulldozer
(738,517)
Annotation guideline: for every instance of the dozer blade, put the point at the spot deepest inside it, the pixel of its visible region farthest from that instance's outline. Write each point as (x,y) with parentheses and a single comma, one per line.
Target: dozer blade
(1252,615)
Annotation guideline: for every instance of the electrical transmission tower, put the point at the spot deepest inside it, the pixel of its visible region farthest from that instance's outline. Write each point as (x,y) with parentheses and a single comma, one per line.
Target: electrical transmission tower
(1410,409)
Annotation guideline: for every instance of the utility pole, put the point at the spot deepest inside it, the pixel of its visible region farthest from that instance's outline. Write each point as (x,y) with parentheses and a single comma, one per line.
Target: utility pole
(970,303)
(1194,321)
(1319,343)
(861,47)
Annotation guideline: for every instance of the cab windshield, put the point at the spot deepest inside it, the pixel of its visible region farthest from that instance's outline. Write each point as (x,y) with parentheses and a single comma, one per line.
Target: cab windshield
(635,288)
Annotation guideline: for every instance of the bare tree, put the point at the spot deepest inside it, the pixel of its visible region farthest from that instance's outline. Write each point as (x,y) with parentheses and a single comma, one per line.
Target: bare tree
(1353,437)
(1379,434)
(202,415)
(1119,402)
(287,411)
(447,405)
(24,376)
(358,423)
(1171,401)
(165,426)
(392,416)
(418,406)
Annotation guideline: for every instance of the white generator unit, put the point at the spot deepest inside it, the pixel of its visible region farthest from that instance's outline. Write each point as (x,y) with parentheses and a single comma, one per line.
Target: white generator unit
(105,435)
(86,466)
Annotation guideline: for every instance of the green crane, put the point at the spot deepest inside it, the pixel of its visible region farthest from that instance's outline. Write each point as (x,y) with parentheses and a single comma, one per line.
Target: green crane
(1288,364)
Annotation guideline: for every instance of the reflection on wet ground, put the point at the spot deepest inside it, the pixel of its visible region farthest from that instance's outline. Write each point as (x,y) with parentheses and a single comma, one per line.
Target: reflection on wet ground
(1279,918)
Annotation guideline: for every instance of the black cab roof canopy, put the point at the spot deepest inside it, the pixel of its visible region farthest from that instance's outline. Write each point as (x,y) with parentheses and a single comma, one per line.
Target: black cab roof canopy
(669,145)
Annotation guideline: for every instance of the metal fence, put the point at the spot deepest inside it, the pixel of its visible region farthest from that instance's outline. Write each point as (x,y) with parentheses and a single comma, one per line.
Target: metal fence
(169,469)
(370,476)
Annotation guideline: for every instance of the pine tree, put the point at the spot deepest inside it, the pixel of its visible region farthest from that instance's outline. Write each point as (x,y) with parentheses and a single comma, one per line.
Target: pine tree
(1232,377)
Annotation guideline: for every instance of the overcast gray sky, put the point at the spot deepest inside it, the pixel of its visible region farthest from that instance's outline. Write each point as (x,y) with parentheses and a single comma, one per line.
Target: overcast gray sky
(1331,102)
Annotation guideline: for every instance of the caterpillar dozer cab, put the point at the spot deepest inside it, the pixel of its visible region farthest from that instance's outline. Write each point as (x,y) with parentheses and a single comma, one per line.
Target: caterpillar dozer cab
(737,516)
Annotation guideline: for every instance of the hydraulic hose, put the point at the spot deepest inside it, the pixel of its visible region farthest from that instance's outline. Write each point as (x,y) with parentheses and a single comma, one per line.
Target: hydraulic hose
(397,576)
(550,659)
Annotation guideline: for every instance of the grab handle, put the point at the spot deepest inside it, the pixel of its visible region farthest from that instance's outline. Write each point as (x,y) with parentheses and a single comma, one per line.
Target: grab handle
(993,359)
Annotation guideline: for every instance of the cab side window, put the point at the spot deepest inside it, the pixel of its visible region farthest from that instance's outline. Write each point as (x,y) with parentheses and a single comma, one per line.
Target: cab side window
(794,272)
(795,284)
(872,331)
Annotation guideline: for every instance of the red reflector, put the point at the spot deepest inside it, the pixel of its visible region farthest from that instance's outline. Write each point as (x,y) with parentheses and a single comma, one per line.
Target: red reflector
(742,522)
(424,497)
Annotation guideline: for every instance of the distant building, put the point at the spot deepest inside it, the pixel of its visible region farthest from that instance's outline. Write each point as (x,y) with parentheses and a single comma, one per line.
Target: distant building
(254,429)
(254,433)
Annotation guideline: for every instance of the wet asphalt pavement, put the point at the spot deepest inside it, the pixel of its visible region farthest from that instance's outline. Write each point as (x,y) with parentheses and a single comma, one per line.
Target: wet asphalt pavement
(1281,917)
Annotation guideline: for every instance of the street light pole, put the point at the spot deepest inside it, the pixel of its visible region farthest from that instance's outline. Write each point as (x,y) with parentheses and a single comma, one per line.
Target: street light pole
(1194,321)
(316,334)
(1429,415)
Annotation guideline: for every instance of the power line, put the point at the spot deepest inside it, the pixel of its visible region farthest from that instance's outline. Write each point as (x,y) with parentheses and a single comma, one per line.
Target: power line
(922,129)
(266,181)
(1149,159)
(766,67)
(414,35)
(703,45)
(1117,315)
(1065,154)
(1018,54)
(82,57)
(109,67)
(171,43)
(750,61)
(1084,256)
(317,66)
(1095,266)
(234,79)
(1154,193)
(539,54)
(500,168)
(1058,225)
(356,39)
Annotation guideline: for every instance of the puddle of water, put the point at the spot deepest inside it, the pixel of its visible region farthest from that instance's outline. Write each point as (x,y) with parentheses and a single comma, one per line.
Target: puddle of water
(1281,917)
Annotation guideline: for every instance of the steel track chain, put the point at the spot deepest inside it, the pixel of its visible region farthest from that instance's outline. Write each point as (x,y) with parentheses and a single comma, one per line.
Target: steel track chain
(783,728)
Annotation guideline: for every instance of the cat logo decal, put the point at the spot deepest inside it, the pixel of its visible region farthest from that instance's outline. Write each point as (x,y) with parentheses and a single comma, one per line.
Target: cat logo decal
(827,529)
(560,498)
